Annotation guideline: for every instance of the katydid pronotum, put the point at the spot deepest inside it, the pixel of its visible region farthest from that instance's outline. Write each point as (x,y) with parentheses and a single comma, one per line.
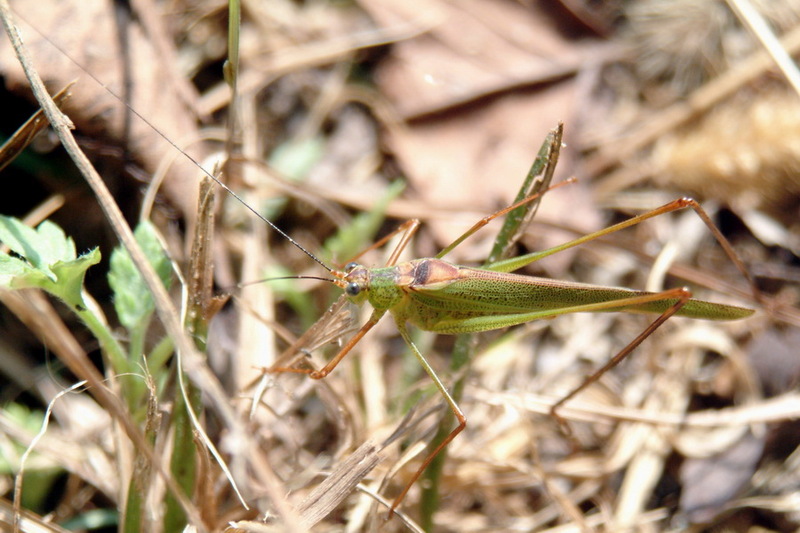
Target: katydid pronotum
(438,296)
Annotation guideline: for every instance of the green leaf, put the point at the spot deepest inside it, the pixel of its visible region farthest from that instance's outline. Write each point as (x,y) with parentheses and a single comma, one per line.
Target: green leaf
(93,519)
(64,279)
(132,299)
(47,260)
(11,267)
(41,247)
(295,159)
(70,276)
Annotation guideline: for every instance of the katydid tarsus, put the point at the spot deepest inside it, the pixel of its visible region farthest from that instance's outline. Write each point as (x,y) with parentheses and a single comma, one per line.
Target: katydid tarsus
(435,295)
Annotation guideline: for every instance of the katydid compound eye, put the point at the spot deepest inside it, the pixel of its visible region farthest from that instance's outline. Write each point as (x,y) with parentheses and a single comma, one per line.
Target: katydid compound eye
(350,266)
(352,289)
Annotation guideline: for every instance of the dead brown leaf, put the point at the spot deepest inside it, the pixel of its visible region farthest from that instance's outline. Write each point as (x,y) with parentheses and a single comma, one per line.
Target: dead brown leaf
(477,94)
(472,50)
(89,32)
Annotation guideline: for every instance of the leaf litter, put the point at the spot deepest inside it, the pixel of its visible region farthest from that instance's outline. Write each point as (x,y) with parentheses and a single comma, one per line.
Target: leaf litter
(461,95)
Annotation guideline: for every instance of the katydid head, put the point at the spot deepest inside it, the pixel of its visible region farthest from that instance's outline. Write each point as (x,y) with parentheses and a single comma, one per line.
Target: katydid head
(355,281)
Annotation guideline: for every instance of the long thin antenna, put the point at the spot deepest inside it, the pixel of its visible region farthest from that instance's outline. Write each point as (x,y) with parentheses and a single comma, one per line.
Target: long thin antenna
(189,157)
(255,282)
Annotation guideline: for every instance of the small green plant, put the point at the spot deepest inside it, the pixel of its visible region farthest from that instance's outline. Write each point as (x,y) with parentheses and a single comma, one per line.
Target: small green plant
(45,258)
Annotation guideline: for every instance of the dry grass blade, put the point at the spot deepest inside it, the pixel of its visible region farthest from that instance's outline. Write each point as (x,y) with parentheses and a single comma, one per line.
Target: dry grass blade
(339,484)
(25,134)
(28,522)
(200,306)
(759,26)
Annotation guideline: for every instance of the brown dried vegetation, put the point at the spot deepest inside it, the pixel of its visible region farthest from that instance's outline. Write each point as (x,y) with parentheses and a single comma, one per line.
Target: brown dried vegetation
(336,100)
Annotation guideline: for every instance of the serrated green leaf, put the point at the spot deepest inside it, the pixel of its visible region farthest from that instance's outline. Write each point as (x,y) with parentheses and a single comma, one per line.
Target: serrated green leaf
(70,276)
(64,280)
(10,268)
(22,239)
(41,247)
(58,247)
(47,260)
(132,299)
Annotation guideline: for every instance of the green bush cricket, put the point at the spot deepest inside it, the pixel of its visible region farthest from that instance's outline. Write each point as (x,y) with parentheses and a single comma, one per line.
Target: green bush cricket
(442,297)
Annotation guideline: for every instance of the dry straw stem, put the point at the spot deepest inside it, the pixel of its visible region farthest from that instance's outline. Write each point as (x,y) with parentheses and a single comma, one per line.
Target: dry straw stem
(18,482)
(339,484)
(27,521)
(755,22)
(744,151)
(62,125)
(21,138)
